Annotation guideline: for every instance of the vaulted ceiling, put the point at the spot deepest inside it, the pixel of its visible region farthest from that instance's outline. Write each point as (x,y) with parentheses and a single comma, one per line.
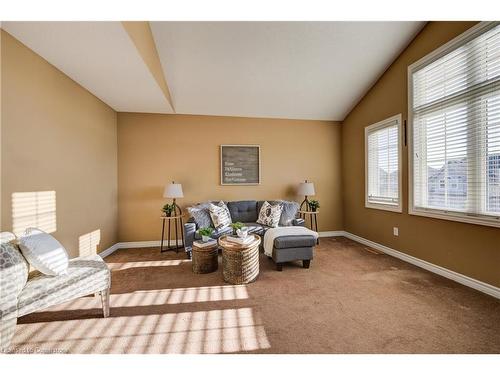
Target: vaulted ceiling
(294,70)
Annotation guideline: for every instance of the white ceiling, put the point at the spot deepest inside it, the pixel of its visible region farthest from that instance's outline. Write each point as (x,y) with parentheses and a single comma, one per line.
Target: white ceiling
(295,70)
(100,56)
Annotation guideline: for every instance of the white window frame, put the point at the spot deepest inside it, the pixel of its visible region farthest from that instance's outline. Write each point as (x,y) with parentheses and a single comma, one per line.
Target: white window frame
(455,43)
(380,125)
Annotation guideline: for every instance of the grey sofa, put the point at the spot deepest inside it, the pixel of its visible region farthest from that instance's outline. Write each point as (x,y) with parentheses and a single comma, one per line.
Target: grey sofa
(246,212)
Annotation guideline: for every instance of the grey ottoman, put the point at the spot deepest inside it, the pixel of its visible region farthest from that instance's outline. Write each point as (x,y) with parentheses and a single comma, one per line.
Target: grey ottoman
(290,248)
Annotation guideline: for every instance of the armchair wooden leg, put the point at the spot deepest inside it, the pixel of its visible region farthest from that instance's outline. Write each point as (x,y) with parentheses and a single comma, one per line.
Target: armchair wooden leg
(105,302)
(306,263)
(279,267)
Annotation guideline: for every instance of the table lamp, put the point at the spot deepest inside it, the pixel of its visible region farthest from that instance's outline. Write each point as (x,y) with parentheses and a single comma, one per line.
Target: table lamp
(174,191)
(306,189)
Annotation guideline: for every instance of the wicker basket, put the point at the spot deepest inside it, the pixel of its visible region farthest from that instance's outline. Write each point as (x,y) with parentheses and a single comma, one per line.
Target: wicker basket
(205,259)
(240,263)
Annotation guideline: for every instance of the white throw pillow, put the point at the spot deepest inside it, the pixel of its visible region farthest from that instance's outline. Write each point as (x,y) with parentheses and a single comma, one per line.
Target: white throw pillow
(270,215)
(220,215)
(44,252)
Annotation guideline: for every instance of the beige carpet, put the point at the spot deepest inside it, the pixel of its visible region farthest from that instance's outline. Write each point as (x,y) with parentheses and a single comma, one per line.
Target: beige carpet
(351,300)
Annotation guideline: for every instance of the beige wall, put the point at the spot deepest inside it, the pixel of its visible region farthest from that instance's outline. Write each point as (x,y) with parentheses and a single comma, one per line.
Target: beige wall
(56,137)
(472,250)
(155,149)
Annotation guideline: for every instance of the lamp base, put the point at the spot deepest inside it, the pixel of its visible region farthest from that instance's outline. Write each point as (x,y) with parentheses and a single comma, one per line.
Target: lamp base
(177,209)
(304,206)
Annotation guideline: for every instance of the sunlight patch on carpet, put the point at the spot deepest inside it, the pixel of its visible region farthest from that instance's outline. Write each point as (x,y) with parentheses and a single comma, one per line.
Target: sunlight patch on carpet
(160,297)
(151,263)
(211,331)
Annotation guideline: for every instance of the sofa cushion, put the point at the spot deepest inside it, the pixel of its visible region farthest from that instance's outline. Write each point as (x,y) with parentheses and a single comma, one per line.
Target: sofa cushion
(13,270)
(44,252)
(86,275)
(255,228)
(243,211)
(286,242)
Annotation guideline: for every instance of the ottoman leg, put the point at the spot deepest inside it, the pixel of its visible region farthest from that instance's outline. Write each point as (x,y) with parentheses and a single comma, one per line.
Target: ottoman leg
(306,263)
(279,267)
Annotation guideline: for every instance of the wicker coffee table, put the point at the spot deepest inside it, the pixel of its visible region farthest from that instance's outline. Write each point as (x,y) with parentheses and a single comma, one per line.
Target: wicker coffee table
(240,263)
(205,259)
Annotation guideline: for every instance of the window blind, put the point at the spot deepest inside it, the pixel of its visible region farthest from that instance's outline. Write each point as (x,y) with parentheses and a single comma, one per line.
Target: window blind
(456,129)
(382,148)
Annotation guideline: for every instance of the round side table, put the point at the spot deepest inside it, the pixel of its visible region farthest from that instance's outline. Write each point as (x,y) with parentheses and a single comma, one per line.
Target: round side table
(205,259)
(240,263)
(179,242)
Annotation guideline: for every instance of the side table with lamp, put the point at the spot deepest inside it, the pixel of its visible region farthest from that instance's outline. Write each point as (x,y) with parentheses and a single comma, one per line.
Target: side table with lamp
(308,208)
(173,218)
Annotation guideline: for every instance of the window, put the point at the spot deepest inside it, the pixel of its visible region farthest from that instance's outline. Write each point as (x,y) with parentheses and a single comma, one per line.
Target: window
(454,117)
(383,160)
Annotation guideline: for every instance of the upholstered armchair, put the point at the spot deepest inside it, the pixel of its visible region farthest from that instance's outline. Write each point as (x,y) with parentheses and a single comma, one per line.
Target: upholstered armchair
(21,296)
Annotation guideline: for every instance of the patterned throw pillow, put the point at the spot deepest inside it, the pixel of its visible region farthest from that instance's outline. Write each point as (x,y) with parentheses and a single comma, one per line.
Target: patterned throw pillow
(44,252)
(220,215)
(270,215)
(289,213)
(201,215)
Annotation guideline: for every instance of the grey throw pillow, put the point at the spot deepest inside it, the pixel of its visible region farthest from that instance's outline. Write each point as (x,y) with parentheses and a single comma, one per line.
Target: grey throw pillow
(201,215)
(289,213)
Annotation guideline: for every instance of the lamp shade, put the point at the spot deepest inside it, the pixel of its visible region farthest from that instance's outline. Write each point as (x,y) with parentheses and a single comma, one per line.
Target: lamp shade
(306,188)
(173,190)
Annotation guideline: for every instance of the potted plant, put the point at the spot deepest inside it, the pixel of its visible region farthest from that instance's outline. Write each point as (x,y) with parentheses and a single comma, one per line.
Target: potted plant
(314,205)
(205,233)
(236,226)
(168,209)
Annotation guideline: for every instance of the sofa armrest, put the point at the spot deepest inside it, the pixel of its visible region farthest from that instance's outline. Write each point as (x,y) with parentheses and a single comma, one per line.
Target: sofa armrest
(299,222)
(189,232)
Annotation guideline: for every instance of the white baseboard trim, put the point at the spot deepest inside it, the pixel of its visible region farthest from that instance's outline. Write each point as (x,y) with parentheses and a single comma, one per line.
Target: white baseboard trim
(332,233)
(136,244)
(110,250)
(449,274)
(132,245)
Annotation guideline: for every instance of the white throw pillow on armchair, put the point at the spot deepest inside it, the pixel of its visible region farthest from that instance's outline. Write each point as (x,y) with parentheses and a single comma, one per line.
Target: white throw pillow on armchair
(44,252)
